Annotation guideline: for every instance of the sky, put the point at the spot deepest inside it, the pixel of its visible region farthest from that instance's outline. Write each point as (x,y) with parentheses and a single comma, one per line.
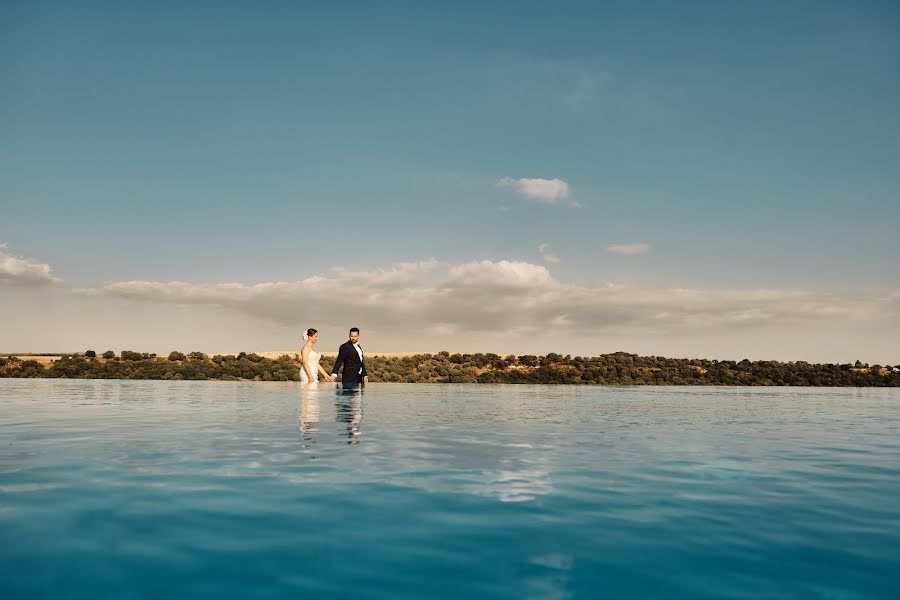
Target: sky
(696,179)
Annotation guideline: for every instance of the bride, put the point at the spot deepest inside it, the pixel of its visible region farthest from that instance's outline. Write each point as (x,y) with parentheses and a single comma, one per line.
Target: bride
(309,359)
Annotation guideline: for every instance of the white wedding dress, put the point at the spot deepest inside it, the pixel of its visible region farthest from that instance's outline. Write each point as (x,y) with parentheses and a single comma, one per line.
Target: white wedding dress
(312,359)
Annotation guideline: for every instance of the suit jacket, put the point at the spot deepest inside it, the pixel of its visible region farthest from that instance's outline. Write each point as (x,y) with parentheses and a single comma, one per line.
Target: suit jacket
(349,358)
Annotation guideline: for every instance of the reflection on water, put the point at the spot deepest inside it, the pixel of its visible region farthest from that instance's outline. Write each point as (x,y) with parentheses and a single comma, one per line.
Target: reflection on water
(309,413)
(516,483)
(347,409)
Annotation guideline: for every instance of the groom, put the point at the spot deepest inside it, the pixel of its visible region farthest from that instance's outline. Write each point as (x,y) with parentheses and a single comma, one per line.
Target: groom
(350,355)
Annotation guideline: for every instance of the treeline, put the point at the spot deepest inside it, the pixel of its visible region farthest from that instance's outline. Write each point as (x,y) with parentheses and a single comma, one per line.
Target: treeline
(608,369)
(143,365)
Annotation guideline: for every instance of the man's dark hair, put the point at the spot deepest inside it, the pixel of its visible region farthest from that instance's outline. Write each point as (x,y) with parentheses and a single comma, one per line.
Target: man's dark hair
(356,329)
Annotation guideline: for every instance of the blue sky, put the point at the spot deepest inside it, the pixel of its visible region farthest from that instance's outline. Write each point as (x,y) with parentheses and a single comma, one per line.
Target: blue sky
(735,147)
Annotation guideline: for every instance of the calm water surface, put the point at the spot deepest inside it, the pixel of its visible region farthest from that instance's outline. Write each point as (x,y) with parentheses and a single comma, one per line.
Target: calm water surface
(146,489)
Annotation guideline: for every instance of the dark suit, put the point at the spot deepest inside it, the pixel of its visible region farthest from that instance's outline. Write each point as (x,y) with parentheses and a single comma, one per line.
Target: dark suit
(349,358)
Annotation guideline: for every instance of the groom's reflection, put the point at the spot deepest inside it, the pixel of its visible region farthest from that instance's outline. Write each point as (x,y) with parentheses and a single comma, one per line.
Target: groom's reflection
(348,409)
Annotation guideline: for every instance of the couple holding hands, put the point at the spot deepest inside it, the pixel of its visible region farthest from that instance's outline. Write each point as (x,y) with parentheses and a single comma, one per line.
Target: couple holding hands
(350,356)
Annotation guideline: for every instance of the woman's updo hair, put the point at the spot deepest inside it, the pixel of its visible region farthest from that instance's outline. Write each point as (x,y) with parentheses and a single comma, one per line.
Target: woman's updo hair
(311,332)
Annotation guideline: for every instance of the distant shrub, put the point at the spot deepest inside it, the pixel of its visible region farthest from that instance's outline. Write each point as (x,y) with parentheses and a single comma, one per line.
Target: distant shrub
(176,355)
(109,354)
(29,368)
(90,354)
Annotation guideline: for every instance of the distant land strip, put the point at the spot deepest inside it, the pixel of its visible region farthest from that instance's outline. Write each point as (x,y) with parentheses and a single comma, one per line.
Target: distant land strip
(618,368)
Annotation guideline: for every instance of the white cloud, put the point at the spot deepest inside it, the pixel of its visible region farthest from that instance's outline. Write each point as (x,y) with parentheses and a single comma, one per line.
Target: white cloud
(549,257)
(628,249)
(543,190)
(492,275)
(507,298)
(17,270)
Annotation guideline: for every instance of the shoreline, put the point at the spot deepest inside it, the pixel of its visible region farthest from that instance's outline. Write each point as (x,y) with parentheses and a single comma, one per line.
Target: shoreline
(618,368)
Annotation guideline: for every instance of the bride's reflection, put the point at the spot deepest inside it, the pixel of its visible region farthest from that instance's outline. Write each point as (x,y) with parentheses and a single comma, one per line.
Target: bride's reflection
(309,413)
(348,409)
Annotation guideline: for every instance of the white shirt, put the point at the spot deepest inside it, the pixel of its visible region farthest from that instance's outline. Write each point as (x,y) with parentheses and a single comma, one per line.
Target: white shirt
(359,351)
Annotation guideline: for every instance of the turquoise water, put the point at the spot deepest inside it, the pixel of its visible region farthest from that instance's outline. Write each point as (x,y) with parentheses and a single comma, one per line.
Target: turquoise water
(147,489)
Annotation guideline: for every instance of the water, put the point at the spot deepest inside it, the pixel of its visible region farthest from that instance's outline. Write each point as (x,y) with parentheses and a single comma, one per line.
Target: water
(146,489)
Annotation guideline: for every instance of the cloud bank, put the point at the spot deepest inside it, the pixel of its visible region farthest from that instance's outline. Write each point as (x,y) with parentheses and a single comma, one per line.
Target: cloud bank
(509,298)
(17,270)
